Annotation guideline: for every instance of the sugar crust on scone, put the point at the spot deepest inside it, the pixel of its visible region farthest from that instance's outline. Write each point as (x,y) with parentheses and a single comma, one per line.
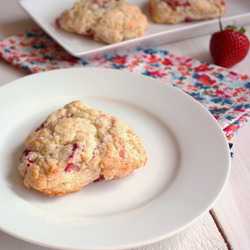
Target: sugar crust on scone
(177,11)
(77,145)
(109,21)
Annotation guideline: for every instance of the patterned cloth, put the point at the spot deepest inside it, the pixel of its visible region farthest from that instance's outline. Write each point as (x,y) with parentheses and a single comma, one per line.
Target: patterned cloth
(224,93)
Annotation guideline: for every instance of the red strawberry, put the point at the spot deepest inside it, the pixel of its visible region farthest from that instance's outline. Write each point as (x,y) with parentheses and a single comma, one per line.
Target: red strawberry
(229,46)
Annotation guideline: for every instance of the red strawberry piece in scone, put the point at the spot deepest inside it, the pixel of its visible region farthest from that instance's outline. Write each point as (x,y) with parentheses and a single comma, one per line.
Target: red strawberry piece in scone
(173,4)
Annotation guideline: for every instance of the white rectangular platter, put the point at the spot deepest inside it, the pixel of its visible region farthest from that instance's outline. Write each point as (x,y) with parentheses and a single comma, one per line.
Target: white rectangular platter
(45,12)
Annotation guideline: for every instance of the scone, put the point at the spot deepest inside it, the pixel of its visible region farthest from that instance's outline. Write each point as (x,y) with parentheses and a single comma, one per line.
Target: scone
(77,145)
(177,11)
(108,21)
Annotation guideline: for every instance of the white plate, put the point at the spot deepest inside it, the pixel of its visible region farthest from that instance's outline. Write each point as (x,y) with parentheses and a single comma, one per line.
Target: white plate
(45,12)
(188,162)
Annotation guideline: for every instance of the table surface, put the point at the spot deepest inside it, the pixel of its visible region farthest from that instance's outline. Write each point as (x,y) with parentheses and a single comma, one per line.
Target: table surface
(227,224)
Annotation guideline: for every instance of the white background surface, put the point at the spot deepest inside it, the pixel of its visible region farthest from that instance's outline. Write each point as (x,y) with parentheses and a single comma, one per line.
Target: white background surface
(231,211)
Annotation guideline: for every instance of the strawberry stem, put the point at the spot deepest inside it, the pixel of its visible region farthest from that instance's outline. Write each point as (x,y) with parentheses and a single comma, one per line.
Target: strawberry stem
(221,27)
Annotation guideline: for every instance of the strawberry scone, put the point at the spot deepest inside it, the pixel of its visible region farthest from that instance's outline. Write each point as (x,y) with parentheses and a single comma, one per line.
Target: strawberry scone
(77,145)
(107,21)
(177,11)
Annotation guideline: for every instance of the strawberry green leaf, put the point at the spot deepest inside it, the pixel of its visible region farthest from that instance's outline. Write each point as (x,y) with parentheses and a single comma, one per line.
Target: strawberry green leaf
(231,27)
(242,30)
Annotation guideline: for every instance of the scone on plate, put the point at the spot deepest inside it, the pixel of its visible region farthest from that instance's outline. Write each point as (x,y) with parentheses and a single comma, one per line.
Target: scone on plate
(177,11)
(108,21)
(77,145)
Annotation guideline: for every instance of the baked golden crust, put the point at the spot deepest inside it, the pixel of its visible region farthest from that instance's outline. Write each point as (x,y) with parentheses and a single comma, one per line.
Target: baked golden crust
(77,145)
(109,21)
(177,11)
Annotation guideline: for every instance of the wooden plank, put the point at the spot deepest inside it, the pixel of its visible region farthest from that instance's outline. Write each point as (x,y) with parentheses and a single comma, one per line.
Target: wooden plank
(201,235)
(233,208)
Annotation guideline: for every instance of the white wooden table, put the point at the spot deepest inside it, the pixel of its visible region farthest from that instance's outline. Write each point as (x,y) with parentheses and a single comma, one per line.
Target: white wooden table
(227,225)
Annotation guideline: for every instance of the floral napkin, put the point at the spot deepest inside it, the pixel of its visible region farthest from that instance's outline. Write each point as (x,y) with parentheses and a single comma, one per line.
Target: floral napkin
(224,93)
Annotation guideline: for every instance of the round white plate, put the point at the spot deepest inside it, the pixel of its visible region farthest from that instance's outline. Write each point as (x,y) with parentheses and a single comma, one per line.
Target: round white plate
(188,162)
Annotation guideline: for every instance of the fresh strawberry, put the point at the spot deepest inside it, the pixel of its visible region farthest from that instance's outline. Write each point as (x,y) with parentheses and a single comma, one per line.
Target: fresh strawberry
(229,46)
